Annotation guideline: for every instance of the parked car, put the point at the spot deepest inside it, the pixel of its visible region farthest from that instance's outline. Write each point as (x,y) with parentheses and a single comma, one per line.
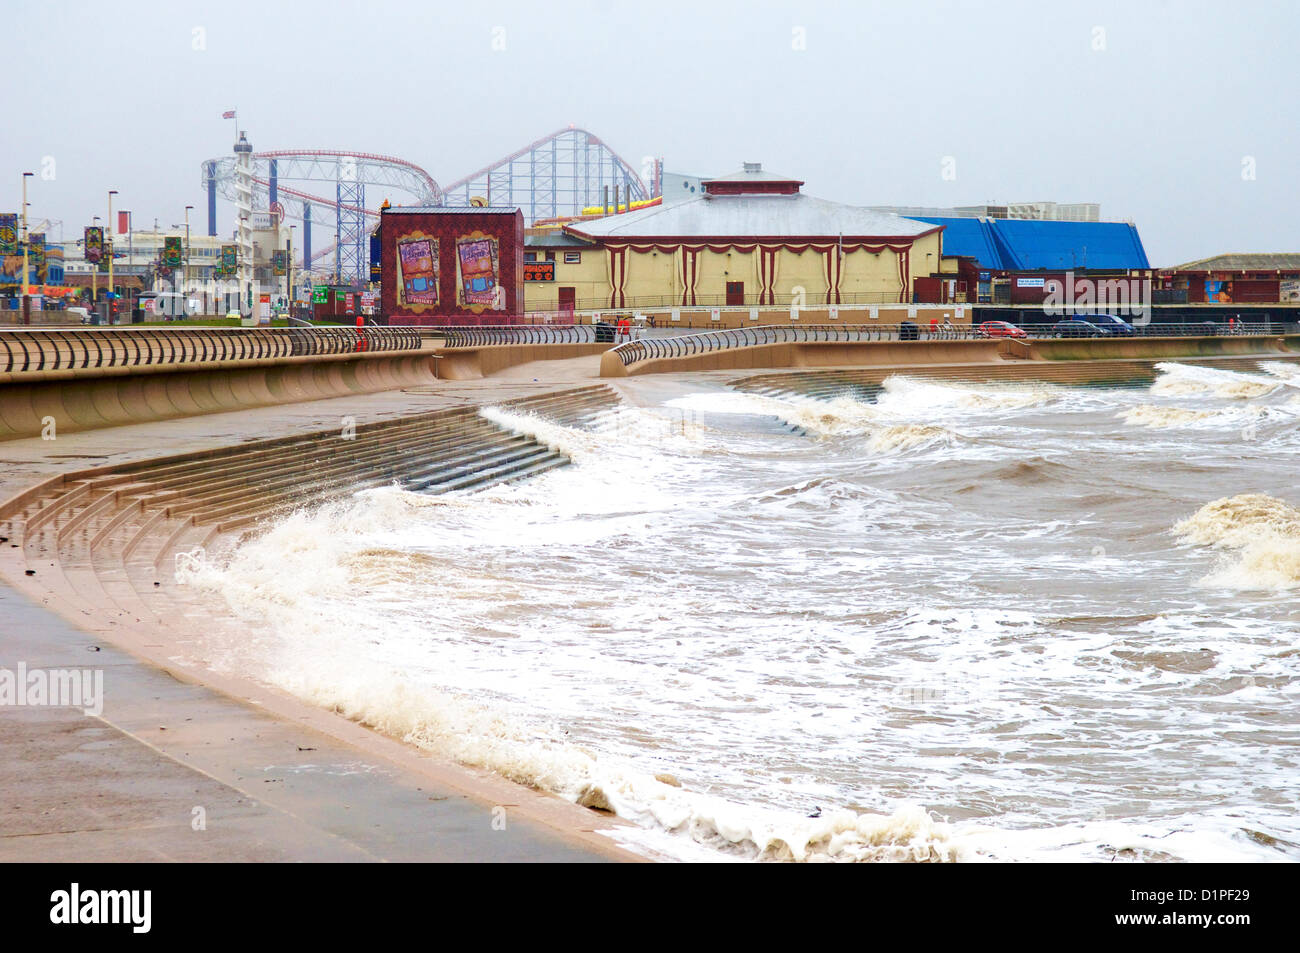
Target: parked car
(83,314)
(1078,329)
(999,329)
(1112,323)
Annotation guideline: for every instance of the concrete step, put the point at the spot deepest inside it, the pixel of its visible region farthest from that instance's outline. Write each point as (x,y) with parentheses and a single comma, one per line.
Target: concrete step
(480,470)
(503,471)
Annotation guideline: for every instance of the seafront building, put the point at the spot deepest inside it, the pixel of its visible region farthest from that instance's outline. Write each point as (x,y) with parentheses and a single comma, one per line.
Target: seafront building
(753,238)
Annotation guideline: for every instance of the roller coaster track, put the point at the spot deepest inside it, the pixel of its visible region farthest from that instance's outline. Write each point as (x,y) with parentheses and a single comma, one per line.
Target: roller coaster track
(559,174)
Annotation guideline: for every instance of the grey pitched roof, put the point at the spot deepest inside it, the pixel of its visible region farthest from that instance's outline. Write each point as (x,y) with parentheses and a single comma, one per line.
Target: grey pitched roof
(555,238)
(1262,261)
(795,215)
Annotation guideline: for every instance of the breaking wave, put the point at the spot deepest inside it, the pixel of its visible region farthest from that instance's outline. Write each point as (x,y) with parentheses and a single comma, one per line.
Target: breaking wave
(1155,417)
(910,396)
(1287,371)
(1185,380)
(1165,417)
(298,590)
(480,737)
(907,437)
(823,418)
(1262,533)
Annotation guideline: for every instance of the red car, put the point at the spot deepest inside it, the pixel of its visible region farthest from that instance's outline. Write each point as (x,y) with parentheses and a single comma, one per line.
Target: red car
(999,329)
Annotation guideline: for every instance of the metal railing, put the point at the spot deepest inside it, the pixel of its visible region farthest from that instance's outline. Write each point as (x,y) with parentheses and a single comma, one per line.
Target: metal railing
(479,336)
(55,348)
(686,345)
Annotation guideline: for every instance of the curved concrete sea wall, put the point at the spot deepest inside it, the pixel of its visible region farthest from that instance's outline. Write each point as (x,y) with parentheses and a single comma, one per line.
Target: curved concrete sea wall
(866,381)
(1152,348)
(809,354)
(817,354)
(138,395)
(471,363)
(84,379)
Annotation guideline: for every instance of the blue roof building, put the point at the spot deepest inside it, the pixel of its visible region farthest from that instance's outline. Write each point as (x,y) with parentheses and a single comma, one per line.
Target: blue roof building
(1009,244)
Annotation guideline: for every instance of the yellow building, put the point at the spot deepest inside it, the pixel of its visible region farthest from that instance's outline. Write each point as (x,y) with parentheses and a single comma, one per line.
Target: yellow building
(750,239)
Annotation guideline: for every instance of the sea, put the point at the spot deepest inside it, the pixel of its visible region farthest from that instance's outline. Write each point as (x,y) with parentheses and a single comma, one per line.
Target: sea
(941,622)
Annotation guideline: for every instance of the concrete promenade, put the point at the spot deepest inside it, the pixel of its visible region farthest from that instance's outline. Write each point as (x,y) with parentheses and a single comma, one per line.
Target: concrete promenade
(175,771)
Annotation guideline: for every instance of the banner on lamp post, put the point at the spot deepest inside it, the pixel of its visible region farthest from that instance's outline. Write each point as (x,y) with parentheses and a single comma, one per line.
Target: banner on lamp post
(93,244)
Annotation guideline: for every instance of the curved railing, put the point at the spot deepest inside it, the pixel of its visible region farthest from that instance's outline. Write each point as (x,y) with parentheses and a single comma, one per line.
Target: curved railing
(685,345)
(57,349)
(481,336)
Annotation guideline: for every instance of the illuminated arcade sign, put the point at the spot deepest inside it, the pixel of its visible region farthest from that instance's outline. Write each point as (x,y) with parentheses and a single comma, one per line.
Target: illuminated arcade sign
(539,271)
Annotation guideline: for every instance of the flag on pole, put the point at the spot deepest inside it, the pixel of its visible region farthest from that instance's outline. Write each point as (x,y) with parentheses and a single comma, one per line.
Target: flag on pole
(228,114)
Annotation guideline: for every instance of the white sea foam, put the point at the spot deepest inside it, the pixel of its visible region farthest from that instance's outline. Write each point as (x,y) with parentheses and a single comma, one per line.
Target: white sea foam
(907,437)
(1188,380)
(1287,371)
(911,396)
(1169,417)
(1156,417)
(841,416)
(293,577)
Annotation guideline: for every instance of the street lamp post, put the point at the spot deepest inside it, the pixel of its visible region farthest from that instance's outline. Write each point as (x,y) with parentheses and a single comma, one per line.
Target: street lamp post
(94,270)
(245,303)
(289,267)
(27,304)
(112,232)
(185,275)
(130,257)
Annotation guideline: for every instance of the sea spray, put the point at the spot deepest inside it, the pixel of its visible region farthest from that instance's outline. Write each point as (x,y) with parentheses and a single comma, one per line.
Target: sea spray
(911,396)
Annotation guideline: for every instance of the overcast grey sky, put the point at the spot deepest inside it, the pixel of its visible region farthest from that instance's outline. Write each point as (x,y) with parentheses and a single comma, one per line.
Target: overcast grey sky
(1157,109)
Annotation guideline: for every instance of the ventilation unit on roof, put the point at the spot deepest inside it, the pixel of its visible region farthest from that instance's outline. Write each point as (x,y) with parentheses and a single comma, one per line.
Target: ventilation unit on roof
(753,167)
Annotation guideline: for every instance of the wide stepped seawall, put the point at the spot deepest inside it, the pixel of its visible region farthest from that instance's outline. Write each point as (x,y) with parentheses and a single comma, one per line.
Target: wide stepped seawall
(105,538)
